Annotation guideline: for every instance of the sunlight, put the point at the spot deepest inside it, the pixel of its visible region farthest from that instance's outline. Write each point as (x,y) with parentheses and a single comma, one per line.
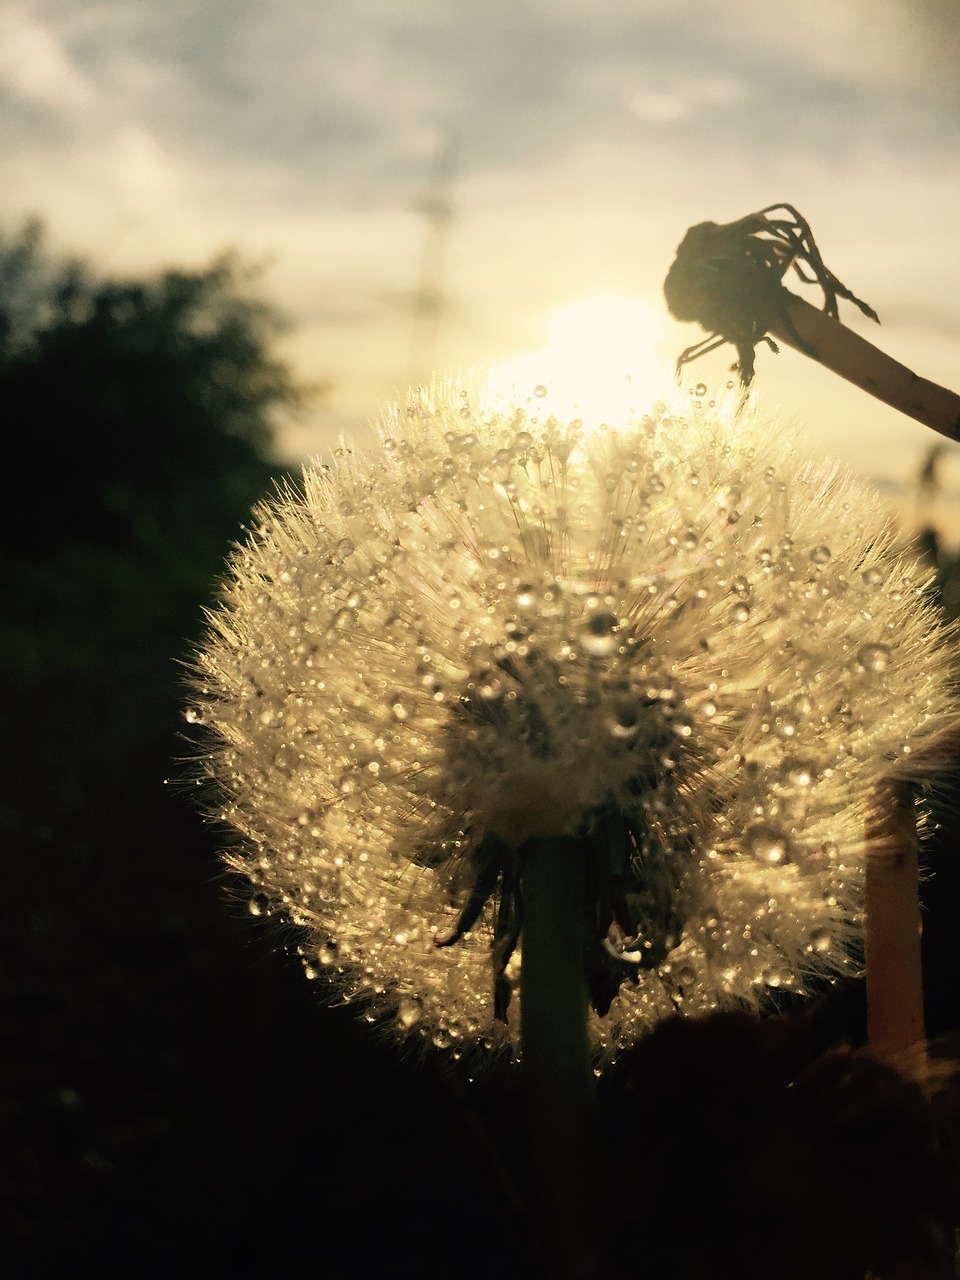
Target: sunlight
(602,357)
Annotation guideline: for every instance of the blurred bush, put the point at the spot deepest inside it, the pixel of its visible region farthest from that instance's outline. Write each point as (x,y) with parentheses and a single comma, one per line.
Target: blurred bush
(138,423)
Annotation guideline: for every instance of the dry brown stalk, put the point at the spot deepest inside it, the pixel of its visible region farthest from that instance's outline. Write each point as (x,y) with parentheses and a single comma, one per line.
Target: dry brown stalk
(851,356)
(892,932)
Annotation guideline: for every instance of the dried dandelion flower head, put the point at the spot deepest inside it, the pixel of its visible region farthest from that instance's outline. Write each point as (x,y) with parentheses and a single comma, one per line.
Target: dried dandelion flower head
(671,638)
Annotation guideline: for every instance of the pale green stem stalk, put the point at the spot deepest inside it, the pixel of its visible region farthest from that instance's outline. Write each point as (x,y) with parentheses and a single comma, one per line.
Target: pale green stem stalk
(559,1087)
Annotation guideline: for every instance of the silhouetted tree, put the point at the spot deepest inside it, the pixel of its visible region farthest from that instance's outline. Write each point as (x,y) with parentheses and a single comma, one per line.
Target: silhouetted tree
(138,418)
(136,398)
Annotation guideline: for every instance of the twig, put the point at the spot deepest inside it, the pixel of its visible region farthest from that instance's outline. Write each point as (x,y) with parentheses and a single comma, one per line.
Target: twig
(858,361)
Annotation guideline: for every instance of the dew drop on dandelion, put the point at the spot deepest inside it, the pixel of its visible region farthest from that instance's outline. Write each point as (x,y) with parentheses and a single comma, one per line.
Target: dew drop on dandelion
(344,619)
(489,686)
(820,941)
(797,772)
(767,843)
(623,723)
(409,1012)
(874,657)
(598,635)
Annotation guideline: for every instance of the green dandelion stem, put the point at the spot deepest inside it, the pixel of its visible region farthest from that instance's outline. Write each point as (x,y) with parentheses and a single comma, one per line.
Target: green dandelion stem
(558,1082)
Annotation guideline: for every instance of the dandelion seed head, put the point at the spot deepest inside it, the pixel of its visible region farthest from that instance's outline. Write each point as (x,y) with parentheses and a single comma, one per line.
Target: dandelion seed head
(668,634)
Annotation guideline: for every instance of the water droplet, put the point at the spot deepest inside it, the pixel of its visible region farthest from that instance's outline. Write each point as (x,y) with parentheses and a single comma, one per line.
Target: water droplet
(700,390)
(767,843)
(193,715)
(522,440)
(623,722)
(527,596)
(398,707)
(798,772)
(489,686)
(741,612)
(785,726)
(820,554)
(872,576)
(409,1012)
(598,635)
(873,657)
(344,619)
(540,391)
(259,904)
(820,940)
(682,725)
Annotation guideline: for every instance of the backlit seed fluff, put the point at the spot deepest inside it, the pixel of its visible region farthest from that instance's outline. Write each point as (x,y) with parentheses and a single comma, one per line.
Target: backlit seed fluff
(508,622)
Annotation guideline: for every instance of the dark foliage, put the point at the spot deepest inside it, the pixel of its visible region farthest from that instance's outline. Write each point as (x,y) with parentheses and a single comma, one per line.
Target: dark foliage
(138,419)
(752,1148)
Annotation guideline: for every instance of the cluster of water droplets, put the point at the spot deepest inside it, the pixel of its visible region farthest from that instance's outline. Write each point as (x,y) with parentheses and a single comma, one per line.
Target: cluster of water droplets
(508,621)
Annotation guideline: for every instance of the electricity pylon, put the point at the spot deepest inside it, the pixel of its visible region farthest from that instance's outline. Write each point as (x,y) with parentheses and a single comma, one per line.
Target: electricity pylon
(429,300)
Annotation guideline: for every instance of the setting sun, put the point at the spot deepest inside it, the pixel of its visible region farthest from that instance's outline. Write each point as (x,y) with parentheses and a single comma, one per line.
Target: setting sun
(601,354)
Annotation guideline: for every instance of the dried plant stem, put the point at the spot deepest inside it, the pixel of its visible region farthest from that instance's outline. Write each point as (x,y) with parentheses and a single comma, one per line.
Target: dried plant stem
(558,1083)
(894,975)
(860,362)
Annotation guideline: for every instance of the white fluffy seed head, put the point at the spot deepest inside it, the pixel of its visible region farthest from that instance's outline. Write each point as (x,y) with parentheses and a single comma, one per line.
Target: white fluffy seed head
(506,623)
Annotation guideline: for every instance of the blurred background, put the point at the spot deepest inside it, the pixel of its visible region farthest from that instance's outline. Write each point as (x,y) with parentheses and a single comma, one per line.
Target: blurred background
(229,233)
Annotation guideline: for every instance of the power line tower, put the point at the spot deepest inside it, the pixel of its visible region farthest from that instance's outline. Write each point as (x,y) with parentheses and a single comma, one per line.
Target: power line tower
(429,301)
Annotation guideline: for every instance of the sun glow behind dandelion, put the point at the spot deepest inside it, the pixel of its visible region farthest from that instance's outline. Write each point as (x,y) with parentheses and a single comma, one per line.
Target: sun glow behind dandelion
(602,357)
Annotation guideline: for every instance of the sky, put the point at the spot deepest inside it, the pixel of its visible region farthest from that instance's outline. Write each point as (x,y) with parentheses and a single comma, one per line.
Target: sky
(534,163)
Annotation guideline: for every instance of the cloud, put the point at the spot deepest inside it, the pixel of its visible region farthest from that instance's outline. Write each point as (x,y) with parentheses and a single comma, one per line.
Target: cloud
(36,67)
(682,99)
